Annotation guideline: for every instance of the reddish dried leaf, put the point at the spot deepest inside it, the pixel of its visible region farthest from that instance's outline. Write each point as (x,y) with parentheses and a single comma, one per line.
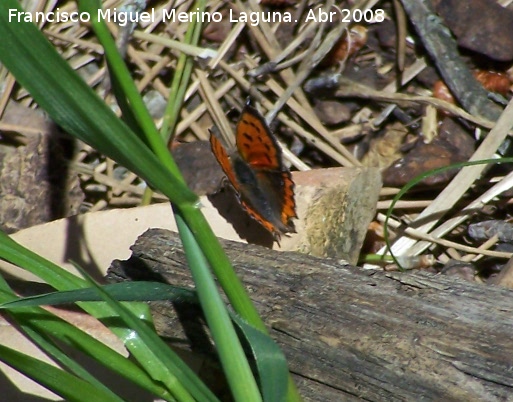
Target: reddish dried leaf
(492,81)
(346,46)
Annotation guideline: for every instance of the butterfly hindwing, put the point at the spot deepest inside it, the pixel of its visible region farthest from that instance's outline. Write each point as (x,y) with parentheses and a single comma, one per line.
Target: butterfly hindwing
(288,210)
(258,217)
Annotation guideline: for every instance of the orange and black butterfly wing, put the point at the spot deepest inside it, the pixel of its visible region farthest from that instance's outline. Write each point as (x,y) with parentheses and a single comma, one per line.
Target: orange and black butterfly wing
(255,143)
(264,187)
(266,202)
(279,190)
(256,215)
(288,210)
(260,150)
(224,160)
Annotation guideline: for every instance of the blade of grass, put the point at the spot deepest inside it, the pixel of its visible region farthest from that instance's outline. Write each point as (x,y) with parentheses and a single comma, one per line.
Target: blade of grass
(42,321)
(172,370)
(20,256)
(60,382)
(270,361)
(77,109)
(60,357)
(122,75)
(41,316)
(151,356)
(123,291)
(181,77)
(234,361)
(228,280)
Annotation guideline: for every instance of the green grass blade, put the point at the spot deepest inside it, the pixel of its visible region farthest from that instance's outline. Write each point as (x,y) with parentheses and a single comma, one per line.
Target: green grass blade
(122,77)
(64,384)
(235,364)
(75,107)
(181,77)
(39,323)
(163,364)
(22,257)
(60,357)
(126,111)
(222,267)
(151,355)
(44,322)
(270,361)
(124,291)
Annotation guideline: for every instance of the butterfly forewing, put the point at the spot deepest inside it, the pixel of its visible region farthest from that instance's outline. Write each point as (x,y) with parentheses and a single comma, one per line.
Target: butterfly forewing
(255,143)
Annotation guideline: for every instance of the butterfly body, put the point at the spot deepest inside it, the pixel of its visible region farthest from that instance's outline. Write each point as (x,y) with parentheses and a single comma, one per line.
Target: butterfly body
(264,187)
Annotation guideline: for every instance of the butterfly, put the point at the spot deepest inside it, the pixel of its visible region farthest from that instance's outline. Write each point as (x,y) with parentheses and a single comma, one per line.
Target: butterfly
(255,170)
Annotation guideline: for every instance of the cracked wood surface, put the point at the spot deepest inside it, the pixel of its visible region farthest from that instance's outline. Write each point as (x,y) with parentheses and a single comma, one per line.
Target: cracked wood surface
(350,333)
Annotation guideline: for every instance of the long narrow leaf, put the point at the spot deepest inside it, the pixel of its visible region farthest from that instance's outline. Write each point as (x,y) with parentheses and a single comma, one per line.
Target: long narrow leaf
(66,385)
(170,369)
(235,364)
(124,291)
(270,361)
(22,257)
(41,321)
(122,77)
(150,354)
(62,358)
(75,107)
(181,77)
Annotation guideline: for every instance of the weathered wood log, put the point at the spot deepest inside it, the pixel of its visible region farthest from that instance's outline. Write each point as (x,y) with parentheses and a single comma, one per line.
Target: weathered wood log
(350,333)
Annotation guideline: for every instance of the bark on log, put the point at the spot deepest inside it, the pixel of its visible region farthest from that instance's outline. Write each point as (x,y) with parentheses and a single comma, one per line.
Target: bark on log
(350,333)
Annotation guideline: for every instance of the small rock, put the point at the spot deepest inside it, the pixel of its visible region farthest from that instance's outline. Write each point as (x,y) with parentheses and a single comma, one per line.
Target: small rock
(331,112)
(199,167)
(480,26)
(463,270)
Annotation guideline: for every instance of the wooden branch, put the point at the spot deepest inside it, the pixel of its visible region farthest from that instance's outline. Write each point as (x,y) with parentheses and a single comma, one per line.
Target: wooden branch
(350,333)
(442,48)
